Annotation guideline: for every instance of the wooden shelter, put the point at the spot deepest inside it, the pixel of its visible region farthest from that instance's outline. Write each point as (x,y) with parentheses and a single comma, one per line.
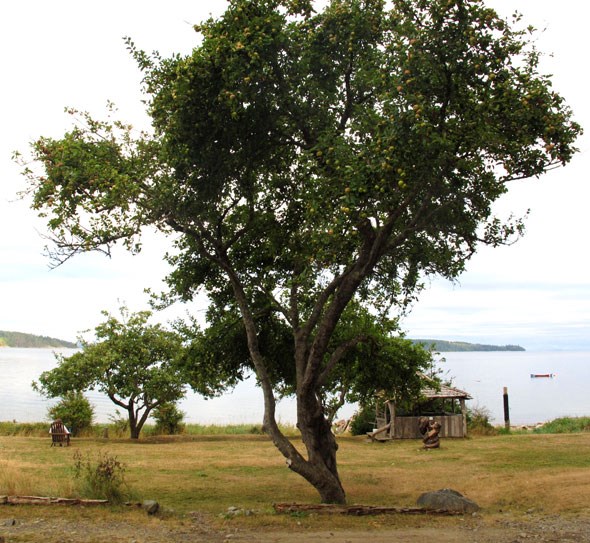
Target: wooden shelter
(445,404)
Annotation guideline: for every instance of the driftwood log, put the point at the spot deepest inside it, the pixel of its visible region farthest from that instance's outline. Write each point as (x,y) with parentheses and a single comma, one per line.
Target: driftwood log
(150,506)
(356,510)
(47,500)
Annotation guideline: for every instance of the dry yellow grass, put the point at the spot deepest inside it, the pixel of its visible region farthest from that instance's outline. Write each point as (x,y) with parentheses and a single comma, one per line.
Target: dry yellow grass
(210,474)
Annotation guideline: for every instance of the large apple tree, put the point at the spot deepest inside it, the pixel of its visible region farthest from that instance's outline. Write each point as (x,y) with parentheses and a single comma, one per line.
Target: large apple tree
(303,160)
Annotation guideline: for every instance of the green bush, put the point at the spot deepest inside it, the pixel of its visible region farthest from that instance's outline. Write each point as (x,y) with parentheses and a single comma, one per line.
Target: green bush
(169,419)
(75,411)
(363,421)
(104,480)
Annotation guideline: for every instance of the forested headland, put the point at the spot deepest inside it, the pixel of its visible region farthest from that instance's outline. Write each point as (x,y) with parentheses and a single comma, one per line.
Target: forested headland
(22,340)
(458,346)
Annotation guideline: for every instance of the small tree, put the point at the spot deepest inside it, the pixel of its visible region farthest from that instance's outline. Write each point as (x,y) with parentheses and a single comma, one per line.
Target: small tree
(76,412)
(133,363)
(169,419)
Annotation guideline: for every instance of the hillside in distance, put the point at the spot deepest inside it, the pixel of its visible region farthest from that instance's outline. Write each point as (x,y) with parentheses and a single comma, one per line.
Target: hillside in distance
(22,340)
(444,346)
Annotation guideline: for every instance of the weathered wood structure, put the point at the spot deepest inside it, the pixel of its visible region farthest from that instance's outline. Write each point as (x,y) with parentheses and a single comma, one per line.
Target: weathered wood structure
(444,403)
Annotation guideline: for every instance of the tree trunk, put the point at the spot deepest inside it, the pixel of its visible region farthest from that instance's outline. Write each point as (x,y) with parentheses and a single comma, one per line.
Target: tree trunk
(134,428)
(320,469)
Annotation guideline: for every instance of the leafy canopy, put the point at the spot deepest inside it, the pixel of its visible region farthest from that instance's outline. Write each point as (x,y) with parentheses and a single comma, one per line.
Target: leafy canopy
(306,134)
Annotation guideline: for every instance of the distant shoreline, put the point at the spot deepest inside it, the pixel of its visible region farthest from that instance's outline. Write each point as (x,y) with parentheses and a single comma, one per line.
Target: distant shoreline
(445,346)
(22,340)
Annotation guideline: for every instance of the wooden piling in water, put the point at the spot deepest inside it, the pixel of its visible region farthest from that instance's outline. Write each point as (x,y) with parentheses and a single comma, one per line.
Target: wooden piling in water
(506,410)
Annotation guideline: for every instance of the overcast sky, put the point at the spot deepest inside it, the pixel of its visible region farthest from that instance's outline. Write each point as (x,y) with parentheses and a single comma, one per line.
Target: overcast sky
(71,53)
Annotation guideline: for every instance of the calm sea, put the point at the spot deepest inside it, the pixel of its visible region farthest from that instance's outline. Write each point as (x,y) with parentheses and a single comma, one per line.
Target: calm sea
(483,375)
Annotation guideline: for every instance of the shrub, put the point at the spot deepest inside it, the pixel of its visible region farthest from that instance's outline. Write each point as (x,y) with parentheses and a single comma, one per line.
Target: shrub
(478,422)
(169,419)
(104,480)
(75,411)
(363,421)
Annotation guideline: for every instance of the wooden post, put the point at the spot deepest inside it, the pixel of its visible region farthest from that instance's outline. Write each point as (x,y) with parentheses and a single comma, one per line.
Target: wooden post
(464,413)
(506,410)
(391,406)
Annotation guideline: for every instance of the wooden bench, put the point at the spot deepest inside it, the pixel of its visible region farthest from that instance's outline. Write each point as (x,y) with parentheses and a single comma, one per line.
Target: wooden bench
(59,434)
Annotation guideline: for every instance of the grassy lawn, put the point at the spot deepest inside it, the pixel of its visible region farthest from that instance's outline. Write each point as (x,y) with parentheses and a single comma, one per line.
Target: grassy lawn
(211,473)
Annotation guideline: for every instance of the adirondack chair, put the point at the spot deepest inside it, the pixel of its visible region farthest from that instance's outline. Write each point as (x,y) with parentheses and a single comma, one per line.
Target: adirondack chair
(60,435)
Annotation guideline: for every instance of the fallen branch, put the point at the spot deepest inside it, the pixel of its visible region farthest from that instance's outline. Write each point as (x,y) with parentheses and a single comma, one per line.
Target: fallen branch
(47,500)
(356,510)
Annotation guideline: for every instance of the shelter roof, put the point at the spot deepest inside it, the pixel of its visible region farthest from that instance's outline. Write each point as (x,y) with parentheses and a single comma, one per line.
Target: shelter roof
(433,389)
(444,391)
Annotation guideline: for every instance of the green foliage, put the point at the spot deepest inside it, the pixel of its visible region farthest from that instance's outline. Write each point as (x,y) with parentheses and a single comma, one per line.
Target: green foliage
(169,419)
(74,410)
(103,479)
(25,429)
(377,361)
(374,359)
(132,362)
(364,420)
(216,358)
(565,425)
(478,422)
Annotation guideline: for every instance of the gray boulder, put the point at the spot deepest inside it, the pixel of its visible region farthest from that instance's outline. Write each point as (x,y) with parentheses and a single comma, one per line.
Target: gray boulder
(151,506)
(447,500)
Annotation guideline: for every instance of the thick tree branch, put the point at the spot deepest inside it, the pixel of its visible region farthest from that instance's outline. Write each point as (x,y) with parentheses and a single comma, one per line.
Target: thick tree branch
(270,424)
(338,354)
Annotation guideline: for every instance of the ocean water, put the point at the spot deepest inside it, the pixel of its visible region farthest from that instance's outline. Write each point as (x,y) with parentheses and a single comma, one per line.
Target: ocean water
(18,401)
(482,374)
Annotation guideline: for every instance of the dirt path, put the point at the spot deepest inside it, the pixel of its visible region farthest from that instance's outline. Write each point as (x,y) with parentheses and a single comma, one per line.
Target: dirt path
(196,529)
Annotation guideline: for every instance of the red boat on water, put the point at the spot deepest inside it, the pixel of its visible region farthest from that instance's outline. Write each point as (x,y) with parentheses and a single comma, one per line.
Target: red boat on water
(549,375)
